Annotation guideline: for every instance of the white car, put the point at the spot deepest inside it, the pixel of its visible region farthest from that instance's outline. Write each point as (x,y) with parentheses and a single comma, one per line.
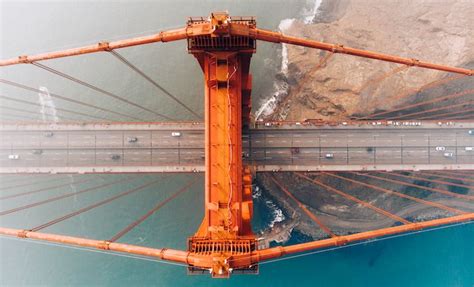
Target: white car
(175,134)
(469,148)
(471,132)
(268,124)
(440,148)
(448,154)
(329,155)
(132,139)
(13,156)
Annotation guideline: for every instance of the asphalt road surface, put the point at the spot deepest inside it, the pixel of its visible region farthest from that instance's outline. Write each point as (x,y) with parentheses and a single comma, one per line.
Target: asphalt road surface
(262,147)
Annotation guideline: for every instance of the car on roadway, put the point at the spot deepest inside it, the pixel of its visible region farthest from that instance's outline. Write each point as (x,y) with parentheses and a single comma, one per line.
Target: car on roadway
(176,134)
(440,148)
(471,132)
(329,155)
(13,156)
(469,148)
(132,139)
(115,157)
(448,154)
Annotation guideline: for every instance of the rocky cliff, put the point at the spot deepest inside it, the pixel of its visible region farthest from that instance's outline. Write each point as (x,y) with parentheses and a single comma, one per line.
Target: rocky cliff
(335,87)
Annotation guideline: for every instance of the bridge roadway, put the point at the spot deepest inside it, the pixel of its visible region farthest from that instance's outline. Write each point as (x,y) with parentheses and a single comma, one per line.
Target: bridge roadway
(104,148)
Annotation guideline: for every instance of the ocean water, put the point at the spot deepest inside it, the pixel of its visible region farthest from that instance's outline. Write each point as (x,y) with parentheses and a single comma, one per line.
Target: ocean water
(443,257)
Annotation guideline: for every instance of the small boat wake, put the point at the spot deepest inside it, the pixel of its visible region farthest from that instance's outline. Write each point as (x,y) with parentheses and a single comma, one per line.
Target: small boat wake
(48,108)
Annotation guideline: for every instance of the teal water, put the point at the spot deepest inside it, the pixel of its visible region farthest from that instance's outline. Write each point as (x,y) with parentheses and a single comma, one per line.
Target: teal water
(437,258)
(443,257)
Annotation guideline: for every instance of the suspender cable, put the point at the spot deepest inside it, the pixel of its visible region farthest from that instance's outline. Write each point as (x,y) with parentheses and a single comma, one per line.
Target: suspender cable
(59,197)
(412,91)
(355,199)
(21,86)
(153,82)
(411,176)
(442,116)
(447,175)
(87,208)
(83,180)
(392,192)
(405,107)
(442,191)
(429,111)
(95,88)
(381,78)
(35,112)
(31,183)
(21,117)
(304,208)
(440,179)
(151,212)
(58,109)
(459,118)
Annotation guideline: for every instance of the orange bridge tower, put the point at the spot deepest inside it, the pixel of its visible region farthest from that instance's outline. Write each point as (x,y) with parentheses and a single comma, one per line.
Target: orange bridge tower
(226,228)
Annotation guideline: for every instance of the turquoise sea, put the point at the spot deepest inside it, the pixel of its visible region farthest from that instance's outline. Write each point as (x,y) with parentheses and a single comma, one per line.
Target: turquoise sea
(443,257)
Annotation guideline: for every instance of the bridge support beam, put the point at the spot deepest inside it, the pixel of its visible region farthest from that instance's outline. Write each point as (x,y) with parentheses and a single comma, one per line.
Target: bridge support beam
(225,231)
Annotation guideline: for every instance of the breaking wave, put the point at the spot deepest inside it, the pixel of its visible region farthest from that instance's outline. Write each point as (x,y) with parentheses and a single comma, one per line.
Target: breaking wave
(277,213)
(280,86)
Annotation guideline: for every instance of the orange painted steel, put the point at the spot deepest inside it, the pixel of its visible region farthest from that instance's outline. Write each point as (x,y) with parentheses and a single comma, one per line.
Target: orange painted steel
(165,36)
(226,227)
(442,191)
(224,242)
(165,254)
(248,258)
(411,176)
(313,217)
(280,251)
(277,37)
(391,192)
(355,199)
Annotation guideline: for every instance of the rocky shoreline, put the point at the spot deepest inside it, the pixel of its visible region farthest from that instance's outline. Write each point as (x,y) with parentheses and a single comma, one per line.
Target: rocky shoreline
(315,84)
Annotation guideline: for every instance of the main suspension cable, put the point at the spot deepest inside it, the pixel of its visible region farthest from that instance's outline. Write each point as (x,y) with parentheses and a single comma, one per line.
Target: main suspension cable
(365,242)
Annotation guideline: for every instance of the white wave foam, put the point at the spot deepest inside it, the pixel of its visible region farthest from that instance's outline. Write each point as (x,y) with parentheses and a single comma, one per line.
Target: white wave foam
(281,87)
(278,215)
(48,108)
(313,13)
